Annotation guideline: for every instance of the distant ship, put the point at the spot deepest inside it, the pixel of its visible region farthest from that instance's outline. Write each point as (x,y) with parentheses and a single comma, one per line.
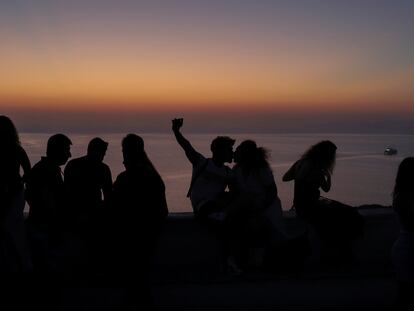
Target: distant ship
(390,151)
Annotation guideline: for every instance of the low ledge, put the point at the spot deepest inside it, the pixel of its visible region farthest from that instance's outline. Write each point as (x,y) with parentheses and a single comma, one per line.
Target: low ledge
(188,251)
(186,274)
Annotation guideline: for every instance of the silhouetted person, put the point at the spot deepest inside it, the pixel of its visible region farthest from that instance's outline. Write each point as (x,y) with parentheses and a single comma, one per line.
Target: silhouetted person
(253,185)
(45,194)
(210,176)
(88,183)
(256,208)
(14,257)
(403,248)
(139,210)
(15,261)
(335,223)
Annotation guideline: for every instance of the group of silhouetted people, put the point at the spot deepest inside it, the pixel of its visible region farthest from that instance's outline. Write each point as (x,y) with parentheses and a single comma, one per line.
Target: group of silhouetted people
(82,225)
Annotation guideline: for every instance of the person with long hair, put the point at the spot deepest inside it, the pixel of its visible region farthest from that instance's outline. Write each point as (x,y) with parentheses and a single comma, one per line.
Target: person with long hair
(254,215)
(138,208)
(335,223)
(12,234)
(402,253)
(311,173)
(254,185)
(139,192)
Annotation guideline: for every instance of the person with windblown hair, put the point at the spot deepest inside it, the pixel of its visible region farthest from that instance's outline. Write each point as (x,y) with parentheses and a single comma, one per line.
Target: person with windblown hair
(311,173)
(335,223)
(255,215)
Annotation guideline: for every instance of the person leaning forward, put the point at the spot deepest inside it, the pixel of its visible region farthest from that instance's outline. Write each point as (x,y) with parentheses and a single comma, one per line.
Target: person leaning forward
(210,176)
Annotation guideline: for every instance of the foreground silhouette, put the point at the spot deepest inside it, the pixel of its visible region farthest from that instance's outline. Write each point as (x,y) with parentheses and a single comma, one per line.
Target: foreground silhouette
(14,255)
(403,248)
(207,192)
(210,176)
(138,211)
(15,259)
(88,183)
(336,224)
(254,215)
(45,193)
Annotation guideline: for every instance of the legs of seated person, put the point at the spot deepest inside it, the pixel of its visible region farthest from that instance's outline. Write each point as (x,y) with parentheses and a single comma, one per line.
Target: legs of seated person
(206,210)
(239,207)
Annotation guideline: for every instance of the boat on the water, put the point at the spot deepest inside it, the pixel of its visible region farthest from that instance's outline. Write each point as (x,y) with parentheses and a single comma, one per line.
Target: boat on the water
(390,151)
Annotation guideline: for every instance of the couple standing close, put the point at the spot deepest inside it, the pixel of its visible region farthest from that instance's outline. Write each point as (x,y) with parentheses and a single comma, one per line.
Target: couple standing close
(244,211)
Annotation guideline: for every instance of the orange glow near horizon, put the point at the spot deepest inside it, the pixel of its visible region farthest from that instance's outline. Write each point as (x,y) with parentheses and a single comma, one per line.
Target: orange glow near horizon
(100,83)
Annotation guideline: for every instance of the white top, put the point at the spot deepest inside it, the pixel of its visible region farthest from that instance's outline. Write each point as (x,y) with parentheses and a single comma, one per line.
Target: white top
(210,183)
(254,185)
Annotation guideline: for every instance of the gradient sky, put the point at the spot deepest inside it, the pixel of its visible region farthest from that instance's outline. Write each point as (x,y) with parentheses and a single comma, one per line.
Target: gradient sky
(309,65)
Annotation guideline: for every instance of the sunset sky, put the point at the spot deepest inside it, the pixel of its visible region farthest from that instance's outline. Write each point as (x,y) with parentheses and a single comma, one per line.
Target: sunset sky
(305,65)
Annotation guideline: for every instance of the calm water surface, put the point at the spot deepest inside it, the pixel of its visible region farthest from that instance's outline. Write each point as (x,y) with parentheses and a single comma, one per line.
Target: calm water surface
(363,175)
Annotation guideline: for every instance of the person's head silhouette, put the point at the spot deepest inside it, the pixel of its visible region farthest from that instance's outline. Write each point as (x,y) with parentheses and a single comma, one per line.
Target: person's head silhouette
(8,132)
(248,155)
(97,149)
(404,182)
(222,149)
(58,149)
(133,150)
(322,154)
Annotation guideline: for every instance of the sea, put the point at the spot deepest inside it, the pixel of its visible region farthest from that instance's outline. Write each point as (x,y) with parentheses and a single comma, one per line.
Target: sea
(362,175)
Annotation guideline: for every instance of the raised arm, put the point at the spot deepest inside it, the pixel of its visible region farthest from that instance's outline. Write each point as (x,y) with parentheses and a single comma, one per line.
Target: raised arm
(190,152)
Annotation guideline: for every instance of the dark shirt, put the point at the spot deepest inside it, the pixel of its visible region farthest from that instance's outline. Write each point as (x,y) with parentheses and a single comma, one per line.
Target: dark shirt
(10,161)
(85,181)
(403,205)
(139,197)
(45,194)
(306,191)
(137,212)
(11,183)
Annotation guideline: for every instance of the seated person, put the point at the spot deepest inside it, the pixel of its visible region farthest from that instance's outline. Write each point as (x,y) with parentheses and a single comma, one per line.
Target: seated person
(210,176)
